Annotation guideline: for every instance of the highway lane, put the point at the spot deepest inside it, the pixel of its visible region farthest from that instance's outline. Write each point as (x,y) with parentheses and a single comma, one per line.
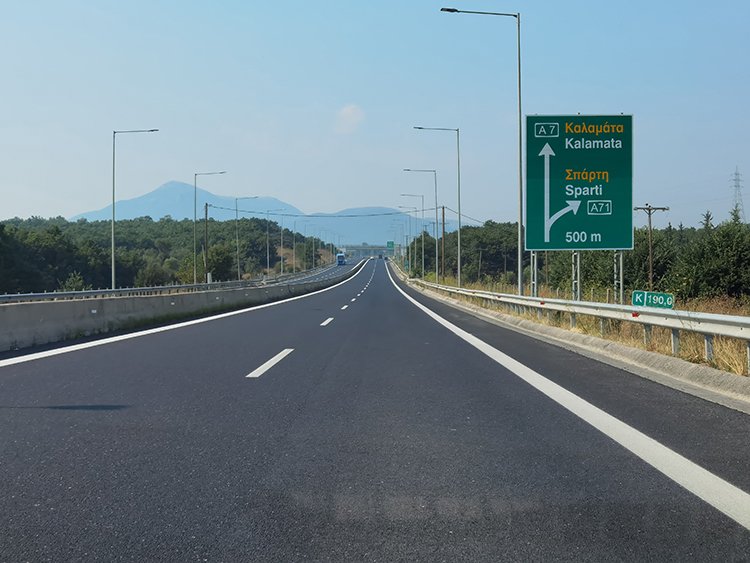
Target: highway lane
(326,273)
(381,436)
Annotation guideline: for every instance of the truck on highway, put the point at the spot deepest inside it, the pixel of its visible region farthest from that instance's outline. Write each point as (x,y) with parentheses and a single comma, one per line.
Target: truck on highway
(340,259)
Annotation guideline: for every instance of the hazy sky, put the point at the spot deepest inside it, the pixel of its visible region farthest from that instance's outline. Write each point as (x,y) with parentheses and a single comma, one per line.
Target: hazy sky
(314,102)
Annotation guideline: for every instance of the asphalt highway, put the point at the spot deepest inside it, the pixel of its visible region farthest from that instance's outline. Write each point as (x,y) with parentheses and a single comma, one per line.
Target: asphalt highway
(324,274)
(365,422)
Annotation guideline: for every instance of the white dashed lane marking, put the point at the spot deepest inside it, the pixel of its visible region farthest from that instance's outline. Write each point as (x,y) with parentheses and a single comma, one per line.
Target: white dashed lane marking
(260,370)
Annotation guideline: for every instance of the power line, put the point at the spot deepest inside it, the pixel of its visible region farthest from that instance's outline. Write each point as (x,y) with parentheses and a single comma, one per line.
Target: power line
(349,216)
(465,215)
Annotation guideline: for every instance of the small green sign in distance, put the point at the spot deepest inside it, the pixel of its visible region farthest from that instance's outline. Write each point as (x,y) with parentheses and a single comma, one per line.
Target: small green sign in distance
(653,299)
(579,182)
(389,245)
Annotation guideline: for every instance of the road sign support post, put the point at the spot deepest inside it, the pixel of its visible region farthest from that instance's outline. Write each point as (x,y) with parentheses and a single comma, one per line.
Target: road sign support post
(618,278)
(576,276)
(534,279)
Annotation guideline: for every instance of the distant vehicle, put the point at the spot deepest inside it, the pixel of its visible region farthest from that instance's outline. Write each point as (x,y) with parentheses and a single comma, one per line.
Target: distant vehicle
(380,256)
(341,259)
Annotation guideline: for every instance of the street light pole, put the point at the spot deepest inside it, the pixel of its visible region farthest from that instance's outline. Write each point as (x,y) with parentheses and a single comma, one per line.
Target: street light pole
(422,229)
(237,230)
(458,170)
(304,236)
(435,231)
(413,238)
(282,245)
(195,219)
(114,137)
(268,246)
(294,246)
(268,243)
(517,16)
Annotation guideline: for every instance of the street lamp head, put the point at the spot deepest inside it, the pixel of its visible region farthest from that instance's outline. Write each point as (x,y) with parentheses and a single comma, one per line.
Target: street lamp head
(455,11)
(116,131)
(456,129)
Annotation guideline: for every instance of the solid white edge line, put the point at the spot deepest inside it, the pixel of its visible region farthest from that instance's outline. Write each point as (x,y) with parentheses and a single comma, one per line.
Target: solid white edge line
(260,370)
(112,339)
(327,321)
(722,495)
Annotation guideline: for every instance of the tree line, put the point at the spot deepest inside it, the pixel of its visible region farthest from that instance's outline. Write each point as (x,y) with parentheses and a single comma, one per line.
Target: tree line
(710,260)
(38,255)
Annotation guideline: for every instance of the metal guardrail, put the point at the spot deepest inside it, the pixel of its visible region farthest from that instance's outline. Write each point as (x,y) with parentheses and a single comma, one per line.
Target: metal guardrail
(158,290)
(706,324)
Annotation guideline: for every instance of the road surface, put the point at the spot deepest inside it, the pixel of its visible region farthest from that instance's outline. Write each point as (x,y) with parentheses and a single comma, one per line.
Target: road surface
(354,425)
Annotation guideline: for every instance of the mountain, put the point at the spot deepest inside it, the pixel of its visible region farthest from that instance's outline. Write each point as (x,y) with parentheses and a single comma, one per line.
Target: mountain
(371,225)
(176,200)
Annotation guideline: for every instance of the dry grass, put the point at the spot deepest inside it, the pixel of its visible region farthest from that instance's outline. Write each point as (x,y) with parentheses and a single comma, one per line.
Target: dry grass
(730,354)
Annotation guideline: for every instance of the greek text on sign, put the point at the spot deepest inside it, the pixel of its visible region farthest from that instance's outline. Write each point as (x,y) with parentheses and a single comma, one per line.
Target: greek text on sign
(579,188)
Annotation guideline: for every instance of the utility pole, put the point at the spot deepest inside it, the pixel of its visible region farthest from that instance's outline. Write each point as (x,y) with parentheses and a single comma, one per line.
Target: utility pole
(649,209)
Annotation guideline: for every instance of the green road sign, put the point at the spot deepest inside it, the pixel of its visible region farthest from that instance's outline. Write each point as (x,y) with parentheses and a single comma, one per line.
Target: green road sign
(653,299)
(579,182)
(389,245)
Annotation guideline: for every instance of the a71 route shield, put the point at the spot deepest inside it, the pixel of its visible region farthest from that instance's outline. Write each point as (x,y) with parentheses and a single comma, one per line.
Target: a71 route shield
(579,187)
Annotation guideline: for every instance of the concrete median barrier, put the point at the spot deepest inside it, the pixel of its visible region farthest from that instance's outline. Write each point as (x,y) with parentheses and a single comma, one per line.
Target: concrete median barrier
(31,324)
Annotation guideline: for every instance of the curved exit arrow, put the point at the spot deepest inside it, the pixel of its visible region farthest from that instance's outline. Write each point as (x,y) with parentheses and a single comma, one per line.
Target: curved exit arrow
(572,206)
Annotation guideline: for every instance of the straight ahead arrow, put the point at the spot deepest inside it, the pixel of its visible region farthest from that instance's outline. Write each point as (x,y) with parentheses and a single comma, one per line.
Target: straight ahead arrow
(546,152)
